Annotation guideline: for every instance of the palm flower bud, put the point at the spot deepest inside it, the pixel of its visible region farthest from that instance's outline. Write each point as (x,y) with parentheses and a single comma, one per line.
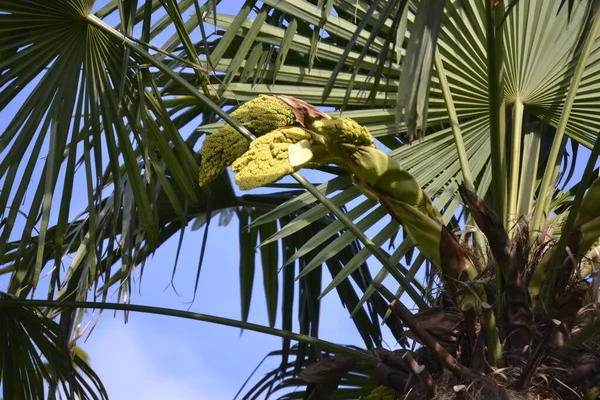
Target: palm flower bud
(343,130)
(591,261)
(261,115)
(382,173)
(385,177)
(273,156)
(383,393)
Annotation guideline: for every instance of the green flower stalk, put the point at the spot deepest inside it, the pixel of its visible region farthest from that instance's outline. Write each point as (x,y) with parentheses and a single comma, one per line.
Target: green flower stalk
(378,175)
(344,142)
(319,141)
(381,178)
(260,116)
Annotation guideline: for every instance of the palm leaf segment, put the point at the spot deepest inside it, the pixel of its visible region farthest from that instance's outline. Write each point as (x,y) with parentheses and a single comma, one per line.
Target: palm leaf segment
(35,354)
(89,107)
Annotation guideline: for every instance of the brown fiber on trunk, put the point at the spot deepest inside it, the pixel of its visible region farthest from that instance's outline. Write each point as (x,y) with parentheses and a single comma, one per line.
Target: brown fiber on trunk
(446,326)
(565,311)
(455,261)
(519,311)
(490,224)
(325,375)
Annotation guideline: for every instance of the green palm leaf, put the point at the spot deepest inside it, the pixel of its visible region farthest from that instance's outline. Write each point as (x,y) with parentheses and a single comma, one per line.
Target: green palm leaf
(85,108)
(36,354)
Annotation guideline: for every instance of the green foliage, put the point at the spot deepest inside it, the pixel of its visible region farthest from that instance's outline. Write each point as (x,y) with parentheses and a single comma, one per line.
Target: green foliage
(35,355)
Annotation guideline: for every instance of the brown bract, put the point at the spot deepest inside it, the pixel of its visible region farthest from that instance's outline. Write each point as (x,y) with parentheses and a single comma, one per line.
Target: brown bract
(305,113)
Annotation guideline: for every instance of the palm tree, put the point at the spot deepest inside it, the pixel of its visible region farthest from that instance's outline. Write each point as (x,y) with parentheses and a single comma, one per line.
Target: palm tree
(111,93)
(498,99)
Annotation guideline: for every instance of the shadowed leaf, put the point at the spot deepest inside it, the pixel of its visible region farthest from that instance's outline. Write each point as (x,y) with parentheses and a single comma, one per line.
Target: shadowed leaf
(489,223)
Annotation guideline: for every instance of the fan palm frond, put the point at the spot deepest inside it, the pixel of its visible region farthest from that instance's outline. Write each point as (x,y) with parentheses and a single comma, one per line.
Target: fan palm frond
(36,361)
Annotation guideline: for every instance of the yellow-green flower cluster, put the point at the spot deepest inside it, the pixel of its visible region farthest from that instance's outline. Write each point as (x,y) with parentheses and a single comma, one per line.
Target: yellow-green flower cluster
(383,393)
(264,114)
(343,130)
(218,151)
(268,158)
(284,151)
(261,115)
